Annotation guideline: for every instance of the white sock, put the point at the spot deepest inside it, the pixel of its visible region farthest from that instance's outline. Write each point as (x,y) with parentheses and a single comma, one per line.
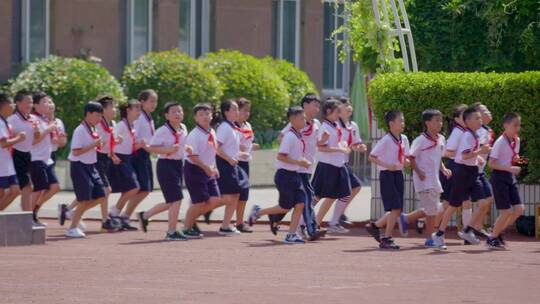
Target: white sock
(466,216)
(339,209)
(69,214)
(113,211)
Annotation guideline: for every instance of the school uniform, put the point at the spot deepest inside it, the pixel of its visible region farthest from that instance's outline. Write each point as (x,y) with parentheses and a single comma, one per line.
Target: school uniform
(505,189)
(232,179)
(104,161)
(427,152)
(331,178)
(287,178)
(465,181)
(169,167)
(122,176)
(144,127)
(451,145)
(41,167)
(201,186)
(391,150)
(86,181)
(8,177)
(486,136)
(21,150)
(246,139)
(351,135)
(60,130)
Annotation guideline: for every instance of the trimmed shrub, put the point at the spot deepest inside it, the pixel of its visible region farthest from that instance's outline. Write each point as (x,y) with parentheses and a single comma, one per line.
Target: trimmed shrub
(501,93)
(247,76)
(298,82)
(174,76)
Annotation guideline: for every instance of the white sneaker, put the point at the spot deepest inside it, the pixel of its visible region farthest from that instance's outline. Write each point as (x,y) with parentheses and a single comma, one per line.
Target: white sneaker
(337,229)
(75,233)
(438,241)
(469,237)
(69,214)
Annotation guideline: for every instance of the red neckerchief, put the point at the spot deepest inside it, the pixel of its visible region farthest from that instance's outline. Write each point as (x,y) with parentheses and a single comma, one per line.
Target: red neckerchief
(150,122)
(109,130)
(475,137)
(10,134)
(513,143)
(211,139)
(335,126)
(434,141)
(92,131)
(299,136)
(399,143)
(350,130)
(307,132)
(248,133)
(132,134)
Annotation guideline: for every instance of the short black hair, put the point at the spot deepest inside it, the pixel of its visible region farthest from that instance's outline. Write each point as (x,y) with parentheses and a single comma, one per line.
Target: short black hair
(293,111)
(202,107)
(169,105)
(329,106)
(428,115)
(458,110)
(391,116)
(19,96)
(128,105)
(344,100)
(309,98)
(469,112)
(37,96)
(510,116)
(106,101)
(144,95)
(243,102)
(5,99)
(92,107)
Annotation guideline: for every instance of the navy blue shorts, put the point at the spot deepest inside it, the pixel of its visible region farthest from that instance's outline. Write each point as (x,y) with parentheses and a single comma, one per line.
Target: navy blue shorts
(21,161)
(355,181)
(200,186)
(122,177)
(8,181)
(486,190)
(290,188)
(392,189)
(446,182)
(43,175)
(232,180)
(169,174)
(86,181)
(466,185)
(143,169)
(505,190)
(244,193)
(331,181)
(103,165)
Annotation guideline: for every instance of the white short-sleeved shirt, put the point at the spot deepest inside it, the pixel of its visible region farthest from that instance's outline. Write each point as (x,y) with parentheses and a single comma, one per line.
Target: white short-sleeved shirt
(23,124)
(41,151)
(84,136)
(388,149)
(293,146)
(335,140)
(246,139)
(310,134)
(129,138)
(203,144)
(166,137)
(60,130)
(6,165)
(486,137)
(228,138)
(351,135)
(428,152)
(144,127)
(505,150)
(105,130)
(454,138)
(469,142)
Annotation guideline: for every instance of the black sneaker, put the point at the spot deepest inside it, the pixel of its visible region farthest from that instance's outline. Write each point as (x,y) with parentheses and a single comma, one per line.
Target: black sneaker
(243,228)
(175,236)
(481,233)
(192,233)
(374,231)
(116,221)
(207,217)
(143,223)
(62,209)
(344,220)
(494,243)
(196,228)
(466,243)
(274,227)
(388,243)
(126,225)
(108,226)
(317,235)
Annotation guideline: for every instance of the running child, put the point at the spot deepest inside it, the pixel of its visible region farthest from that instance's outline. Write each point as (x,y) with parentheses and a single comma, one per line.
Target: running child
(61,134)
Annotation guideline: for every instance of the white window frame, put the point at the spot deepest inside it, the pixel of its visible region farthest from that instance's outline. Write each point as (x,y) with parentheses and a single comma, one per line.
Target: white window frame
(25,29)
(205,27)
(130,27)
(279,36)
(335,91)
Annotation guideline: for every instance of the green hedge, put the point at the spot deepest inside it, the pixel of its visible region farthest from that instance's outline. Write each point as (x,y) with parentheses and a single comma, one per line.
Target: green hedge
(174,76)
(247,76)
(414,92)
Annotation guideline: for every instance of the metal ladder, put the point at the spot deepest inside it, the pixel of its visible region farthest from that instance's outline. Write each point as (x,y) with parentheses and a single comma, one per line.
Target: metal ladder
(398,31)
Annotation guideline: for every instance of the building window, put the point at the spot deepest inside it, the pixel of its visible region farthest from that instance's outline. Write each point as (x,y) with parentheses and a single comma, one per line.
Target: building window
(139,38)
(286,30)
(335,73)
(35,29)
(194,32)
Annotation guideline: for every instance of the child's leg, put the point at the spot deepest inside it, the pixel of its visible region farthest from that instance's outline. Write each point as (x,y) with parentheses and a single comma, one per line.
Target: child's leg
(161,207)
(231,202)
(35,197)
(339,209)
(415,215)
(7,198)
(193,212)
(295,218)
(439,216)
(381,222)
(174,210)
(446,217)
(516,213)
(391,222)
(272,210)
(479,214)
(26,198)
(48,194)
(466,213)
(134,201)
(104,205)
(81,208)
(501,222)
(124,198)
(240,210)
(430,226)
(325,206)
